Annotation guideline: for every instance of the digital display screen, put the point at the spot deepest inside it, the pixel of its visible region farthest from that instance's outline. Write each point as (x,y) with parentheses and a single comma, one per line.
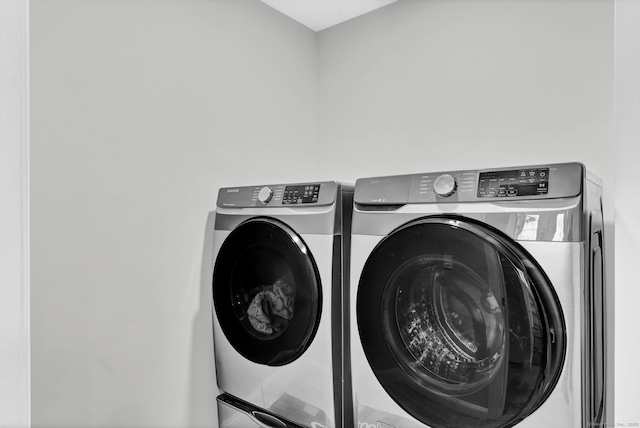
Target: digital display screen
(520,182)
(301,194)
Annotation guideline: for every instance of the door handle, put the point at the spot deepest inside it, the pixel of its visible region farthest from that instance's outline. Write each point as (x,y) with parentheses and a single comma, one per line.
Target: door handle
(266,420)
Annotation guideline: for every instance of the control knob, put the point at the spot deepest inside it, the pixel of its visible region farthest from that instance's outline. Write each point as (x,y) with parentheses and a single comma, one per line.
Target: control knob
(265,195)
(445,185)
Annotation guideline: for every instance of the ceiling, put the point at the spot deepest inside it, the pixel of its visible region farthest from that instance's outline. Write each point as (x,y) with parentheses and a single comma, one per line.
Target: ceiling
(321,14)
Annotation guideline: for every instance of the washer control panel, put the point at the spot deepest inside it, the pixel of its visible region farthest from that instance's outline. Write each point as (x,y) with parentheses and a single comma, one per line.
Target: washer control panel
(520,183)
(515,182)
(278,195)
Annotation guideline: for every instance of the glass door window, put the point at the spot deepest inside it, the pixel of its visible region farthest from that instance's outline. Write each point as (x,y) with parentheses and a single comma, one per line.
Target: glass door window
(266,292)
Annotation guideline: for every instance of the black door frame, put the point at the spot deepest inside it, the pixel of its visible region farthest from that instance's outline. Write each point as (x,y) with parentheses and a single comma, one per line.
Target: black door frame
(256,253)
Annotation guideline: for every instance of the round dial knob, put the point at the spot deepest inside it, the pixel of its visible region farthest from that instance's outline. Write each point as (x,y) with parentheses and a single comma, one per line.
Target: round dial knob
(445,185)
(265,195)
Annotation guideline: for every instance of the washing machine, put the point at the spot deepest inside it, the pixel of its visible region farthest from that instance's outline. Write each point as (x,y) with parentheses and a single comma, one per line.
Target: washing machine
(279,296)
(478,299)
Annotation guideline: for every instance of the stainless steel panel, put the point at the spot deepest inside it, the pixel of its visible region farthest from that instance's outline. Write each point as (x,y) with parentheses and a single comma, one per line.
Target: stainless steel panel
(564,265)
(383,190)
(564,181)
(557,220)
(249,196)
(304,219)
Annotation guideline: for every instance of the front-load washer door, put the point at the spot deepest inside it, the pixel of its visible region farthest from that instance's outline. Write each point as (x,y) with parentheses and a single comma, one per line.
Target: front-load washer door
(459,324)
(266,292)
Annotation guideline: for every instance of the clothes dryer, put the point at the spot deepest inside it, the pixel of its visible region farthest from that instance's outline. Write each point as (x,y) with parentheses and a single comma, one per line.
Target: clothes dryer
(478,299)
(278,299)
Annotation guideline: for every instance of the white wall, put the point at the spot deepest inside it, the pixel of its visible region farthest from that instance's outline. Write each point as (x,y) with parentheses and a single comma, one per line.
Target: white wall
(14,214)
(627,62)
(140,111)
(423,85)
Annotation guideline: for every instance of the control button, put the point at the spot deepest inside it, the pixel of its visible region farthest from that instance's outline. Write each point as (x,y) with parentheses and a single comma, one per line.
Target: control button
(265,195)
(444,185)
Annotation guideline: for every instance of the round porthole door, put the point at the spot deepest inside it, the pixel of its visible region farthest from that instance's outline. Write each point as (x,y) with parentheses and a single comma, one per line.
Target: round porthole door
(267,292)
(459,324)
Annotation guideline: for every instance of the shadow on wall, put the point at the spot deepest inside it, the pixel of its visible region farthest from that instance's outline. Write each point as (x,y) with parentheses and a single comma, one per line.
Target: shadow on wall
(203,391)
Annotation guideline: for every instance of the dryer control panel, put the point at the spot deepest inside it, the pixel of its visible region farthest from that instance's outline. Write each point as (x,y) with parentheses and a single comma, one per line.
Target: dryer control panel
(519,183)
(278,195)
